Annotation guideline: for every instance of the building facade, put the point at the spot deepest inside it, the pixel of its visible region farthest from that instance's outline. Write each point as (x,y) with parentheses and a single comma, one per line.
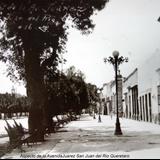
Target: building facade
(130,90)
(109,94)
(140,90)
(149,89)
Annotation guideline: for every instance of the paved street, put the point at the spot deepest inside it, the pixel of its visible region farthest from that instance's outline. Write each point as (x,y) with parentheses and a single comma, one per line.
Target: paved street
(87,136)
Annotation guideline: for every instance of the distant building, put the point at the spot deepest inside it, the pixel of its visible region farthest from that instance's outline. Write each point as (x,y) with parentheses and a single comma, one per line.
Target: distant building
(109,93)
(14,93)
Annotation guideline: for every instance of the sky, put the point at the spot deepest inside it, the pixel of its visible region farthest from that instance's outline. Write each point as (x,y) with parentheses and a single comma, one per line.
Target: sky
(128,26)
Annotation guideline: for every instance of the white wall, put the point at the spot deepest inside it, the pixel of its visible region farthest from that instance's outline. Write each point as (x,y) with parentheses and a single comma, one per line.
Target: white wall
(107,90)
(149,79)
(131,81)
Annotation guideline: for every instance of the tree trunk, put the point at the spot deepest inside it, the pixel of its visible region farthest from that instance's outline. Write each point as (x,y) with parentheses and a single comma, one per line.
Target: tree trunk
(36,93)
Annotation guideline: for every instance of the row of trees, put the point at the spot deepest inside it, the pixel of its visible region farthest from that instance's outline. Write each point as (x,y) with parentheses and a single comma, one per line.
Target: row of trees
(10,103)
(69,92)
(66,92)
(34,33)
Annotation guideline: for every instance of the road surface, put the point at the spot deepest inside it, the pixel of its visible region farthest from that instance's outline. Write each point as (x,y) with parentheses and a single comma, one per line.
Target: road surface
(86,138)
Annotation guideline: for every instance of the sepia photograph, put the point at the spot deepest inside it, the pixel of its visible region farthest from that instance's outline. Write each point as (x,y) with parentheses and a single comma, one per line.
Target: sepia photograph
(79,79)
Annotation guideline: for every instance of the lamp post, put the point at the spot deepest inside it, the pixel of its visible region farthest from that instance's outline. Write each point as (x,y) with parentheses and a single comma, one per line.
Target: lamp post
(116,61)
(99,118)
(100,106)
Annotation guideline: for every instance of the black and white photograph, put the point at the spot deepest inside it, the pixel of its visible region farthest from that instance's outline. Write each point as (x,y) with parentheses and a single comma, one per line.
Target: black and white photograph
(79,79)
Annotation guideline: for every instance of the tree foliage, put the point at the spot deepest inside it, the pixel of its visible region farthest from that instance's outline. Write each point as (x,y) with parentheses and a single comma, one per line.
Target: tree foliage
(11,103)
(92,94)
(40,25)
(68,92)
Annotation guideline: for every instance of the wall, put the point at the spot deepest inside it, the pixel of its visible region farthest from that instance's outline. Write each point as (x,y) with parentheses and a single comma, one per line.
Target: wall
(149,79)
(129,84)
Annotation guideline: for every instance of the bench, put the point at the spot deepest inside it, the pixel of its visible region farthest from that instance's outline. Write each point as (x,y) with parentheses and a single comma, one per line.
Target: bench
(62,119)
(19,136)
(29,139)
(74,117)
(55,124)
(66,118)
(59,121)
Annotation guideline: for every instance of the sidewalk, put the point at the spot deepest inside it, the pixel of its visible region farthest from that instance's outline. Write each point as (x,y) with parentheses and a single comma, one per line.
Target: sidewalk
(87,138)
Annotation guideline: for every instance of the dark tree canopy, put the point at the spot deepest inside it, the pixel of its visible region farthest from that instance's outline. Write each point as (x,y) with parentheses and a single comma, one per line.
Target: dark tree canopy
(68,92)
(13,103)
(92,93)
(40,26)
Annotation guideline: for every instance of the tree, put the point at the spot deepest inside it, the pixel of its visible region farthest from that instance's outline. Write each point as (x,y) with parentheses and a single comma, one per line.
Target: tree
(12,103)
(79,88)
(34,33)
(93,97)
(67,92)
(92,93)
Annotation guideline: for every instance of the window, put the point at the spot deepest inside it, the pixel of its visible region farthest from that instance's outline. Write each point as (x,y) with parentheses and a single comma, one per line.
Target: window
(158,95)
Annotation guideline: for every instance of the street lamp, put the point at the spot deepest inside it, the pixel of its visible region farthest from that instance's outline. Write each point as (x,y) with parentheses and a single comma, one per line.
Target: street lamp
(100,106)
(116,61)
